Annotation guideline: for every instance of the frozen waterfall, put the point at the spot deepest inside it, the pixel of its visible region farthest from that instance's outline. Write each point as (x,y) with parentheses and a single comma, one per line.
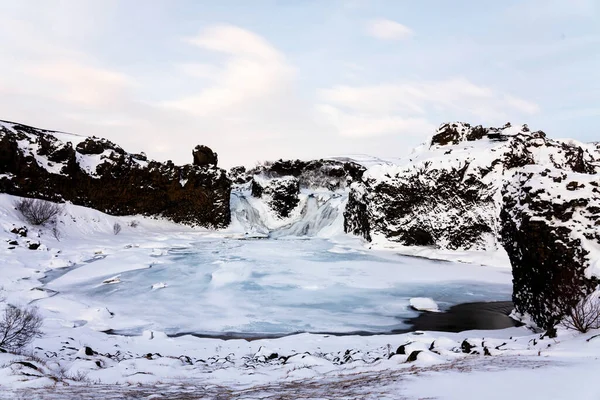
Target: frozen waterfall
(318,214)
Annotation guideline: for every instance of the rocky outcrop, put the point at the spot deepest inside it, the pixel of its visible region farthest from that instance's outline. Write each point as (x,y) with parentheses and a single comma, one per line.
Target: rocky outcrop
(204,156)
(329,174)
(448,193)
(97,173)
(281,194)
(551,232)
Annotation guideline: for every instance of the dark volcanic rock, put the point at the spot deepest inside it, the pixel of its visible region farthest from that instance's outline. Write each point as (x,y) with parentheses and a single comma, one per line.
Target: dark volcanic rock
(280,193)
(99,174)
(549,231)
(448,193)
(204,156)
(330,174)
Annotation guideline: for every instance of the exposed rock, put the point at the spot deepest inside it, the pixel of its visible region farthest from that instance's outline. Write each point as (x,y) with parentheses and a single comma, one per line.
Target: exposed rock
(330,174)
(239,176)
(448,193)
(466,347)
(413,355)
(22,231)
(550,232)
(89,351)
(99,174)
(402,348)
(204,156)
(280,193)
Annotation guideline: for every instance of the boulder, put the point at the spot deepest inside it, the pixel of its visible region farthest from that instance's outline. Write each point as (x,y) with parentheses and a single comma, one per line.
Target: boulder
(204,156)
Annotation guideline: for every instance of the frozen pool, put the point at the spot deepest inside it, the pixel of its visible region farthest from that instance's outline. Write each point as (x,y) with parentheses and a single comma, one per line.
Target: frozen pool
(270,286)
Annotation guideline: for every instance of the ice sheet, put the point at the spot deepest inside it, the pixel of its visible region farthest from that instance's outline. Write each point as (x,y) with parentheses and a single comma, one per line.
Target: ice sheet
(271,286)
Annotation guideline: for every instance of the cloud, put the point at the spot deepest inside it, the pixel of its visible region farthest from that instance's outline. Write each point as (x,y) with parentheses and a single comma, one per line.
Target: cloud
(356,125)
(80,84)
(386,29)
(407,107)
(254,70)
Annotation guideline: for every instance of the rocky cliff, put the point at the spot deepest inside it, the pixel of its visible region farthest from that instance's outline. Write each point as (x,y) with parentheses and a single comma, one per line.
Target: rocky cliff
(480,188)
(97,173)
(448,193)
(551,231)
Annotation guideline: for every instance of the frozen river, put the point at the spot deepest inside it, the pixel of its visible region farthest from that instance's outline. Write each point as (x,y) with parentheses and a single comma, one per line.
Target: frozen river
(254,287)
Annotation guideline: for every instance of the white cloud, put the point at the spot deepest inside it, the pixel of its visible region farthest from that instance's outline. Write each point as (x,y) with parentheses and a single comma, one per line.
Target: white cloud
(253,71)
(80,84)
(407,107)
(353,124)
(388,30)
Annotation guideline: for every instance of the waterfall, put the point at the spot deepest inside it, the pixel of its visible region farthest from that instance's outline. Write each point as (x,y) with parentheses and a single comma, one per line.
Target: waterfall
(319,214)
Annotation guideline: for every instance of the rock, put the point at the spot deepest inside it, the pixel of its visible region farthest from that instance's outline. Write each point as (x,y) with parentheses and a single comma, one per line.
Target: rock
(551,237)
(204,156)
(33,245)
(466,347)
(22,231)
(281,194)
(13,243)
(413,355)
(27,364)
(402,348)
(94,145)
(89,352)
(99,174)
(448,194)
(329,174)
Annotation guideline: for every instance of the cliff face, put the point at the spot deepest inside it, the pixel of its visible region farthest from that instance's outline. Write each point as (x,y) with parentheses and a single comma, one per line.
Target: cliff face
(481,188)
(551,232)
(448,193)
(97,173)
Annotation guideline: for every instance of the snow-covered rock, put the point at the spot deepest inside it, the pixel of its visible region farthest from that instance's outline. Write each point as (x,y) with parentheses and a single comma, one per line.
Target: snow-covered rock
(551,231)
(97,173)
(448,193)
(424,304)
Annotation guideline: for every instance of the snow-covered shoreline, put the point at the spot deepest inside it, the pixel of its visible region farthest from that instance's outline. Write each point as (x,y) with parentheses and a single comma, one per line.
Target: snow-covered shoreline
(75,352)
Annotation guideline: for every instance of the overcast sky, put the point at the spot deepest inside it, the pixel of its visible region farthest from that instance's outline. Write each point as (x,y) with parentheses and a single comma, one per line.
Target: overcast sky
(268,79)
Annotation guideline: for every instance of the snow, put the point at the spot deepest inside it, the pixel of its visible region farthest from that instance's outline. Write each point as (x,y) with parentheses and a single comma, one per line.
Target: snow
(424,304)
(300,274)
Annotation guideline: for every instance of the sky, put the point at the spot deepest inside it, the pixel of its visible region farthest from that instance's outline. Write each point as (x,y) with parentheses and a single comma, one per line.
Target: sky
(268,79)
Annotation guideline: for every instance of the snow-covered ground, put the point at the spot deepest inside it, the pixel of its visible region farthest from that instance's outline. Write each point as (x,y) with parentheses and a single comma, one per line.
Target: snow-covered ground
(160,278)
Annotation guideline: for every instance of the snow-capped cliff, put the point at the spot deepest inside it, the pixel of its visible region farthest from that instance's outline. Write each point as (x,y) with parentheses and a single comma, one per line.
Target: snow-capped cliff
(97,173)
(448,193)
(551,231)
